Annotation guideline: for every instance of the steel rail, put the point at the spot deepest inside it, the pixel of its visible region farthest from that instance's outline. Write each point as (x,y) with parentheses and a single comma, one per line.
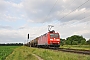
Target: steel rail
(78,51)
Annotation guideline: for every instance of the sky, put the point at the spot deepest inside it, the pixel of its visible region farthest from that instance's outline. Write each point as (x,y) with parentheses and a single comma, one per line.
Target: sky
(18,18)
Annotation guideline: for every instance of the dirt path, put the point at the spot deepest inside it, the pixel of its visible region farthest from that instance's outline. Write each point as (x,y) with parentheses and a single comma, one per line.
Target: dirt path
(39,58)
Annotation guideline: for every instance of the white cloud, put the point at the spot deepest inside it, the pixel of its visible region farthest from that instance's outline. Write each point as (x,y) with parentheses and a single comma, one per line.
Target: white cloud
(10,11)
(38,10)
(17,5)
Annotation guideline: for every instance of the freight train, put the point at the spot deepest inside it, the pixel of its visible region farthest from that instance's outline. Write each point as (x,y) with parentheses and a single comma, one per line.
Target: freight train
(49,39)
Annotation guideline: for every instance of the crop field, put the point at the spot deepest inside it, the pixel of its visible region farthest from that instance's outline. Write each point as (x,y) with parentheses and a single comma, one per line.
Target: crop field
(83,47)
(26,53)
(5,51)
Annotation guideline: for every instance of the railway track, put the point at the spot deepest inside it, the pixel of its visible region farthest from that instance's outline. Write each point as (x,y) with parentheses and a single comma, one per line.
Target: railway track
(86,52)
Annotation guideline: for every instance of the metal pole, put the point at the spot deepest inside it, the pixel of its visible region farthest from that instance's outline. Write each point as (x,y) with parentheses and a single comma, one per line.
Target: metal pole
(28,40)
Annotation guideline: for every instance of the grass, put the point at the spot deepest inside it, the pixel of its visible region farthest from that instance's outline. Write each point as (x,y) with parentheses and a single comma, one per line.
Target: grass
(83,47)
(5,51)
(21,53)
(25,53)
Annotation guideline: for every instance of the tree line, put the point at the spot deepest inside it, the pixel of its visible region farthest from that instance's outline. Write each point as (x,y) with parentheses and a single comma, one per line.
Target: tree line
(12,44)
(75,40)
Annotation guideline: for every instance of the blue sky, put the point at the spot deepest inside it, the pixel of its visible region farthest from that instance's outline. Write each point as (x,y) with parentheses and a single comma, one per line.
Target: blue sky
(20,17)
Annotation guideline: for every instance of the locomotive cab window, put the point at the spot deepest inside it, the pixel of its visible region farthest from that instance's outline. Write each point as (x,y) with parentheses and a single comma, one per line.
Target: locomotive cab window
(54,35)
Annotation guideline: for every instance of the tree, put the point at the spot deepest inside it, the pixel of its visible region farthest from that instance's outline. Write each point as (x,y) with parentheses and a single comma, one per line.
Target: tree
(75,42)
(83,42)
(62,41)
(75,39)
(88,42)
(67,42)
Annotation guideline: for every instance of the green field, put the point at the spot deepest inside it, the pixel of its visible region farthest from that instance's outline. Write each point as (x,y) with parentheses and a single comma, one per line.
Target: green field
(82,47)
(5,51)
(21,53)
(26,53)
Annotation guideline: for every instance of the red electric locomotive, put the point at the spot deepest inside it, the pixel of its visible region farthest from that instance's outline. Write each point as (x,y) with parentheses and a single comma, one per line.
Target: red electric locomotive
(50,39)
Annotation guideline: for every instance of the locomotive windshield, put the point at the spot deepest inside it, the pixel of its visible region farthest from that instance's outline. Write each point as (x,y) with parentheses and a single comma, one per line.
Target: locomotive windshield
(54,35)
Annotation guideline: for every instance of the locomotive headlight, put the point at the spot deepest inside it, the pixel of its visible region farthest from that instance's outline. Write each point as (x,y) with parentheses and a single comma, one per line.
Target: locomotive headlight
(58,40)
(51,39)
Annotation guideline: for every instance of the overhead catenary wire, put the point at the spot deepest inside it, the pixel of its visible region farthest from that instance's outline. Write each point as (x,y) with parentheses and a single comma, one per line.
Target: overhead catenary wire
(85,17)
(73,10)
(80,19)
(62,12)
(67,13)
(51,10)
